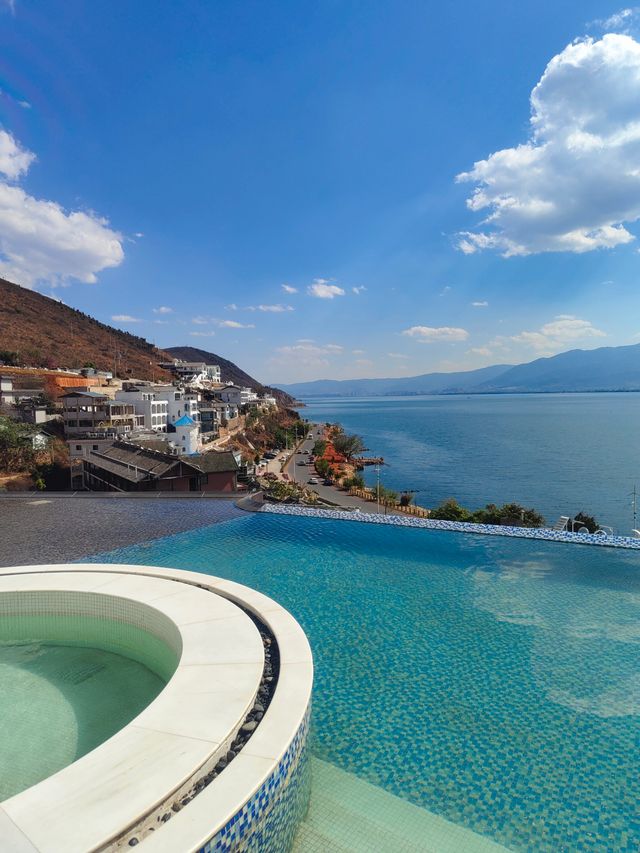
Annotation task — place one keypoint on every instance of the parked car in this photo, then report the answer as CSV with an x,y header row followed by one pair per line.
x,y
302,462
327,482
305,452
270,455
313,481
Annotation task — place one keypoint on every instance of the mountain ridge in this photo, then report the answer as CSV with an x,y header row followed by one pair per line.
x,y
573,371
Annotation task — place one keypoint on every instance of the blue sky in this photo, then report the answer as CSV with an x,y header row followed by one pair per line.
x,y
279,181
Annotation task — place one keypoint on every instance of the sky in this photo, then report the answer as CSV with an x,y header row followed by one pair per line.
x,y
336,189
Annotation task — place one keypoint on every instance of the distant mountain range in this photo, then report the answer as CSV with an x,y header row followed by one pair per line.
x,y
602,369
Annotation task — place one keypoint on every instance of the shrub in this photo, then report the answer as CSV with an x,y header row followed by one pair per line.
x,y
406,498
587,521
450,510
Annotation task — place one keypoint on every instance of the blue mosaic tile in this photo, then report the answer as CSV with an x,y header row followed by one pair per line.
x,y
543,533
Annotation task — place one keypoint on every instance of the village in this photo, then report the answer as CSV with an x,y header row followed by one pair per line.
x,y
128,435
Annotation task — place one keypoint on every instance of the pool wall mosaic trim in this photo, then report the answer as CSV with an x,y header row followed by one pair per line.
x,y
106,798
456,526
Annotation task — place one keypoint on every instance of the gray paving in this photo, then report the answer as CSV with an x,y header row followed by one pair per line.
x,y
56,530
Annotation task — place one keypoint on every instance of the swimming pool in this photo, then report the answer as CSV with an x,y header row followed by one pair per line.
x,y
493,682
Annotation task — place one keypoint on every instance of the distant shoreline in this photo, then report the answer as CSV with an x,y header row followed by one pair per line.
x,y
301,403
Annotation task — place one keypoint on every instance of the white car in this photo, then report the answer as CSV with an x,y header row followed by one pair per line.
x,y
313,481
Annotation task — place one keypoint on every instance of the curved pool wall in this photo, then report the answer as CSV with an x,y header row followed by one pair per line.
x,y
199,769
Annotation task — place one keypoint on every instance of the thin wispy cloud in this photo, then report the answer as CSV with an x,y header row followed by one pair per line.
x,y
209,334
289,289
573,185
358,290
233,324
482,304
125,318
272,309
231,306
163,309
429,334
620,22
399,355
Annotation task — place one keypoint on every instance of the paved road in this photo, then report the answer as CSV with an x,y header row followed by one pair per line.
x,y
303,473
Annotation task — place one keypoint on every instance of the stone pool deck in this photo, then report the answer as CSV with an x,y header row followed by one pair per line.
x,y
42,528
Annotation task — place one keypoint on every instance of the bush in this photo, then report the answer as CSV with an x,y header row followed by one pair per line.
x,y
587,521
319,447
323,467
406,498
450,510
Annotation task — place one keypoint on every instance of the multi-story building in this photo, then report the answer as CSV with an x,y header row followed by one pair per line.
x,y
238,396
193,371
89,412
161,405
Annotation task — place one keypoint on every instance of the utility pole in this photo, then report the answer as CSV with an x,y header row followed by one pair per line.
x,y
378,486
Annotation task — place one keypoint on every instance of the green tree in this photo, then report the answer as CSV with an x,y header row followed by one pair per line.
x,y
319,447
450,510
323,467
348,445
587,521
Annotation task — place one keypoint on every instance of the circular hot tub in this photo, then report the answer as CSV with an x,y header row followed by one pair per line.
x,y
150,706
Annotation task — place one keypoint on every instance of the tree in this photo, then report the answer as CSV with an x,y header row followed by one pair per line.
x,y
319,447
348,445
323,467
450,510
406,498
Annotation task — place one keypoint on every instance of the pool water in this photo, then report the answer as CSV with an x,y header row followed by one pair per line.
x,y
58,702
493,682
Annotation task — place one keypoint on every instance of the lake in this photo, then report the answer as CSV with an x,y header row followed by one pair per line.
x,y
558,453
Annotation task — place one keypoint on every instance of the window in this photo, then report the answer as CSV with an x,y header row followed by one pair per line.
x,y
79,447
94,447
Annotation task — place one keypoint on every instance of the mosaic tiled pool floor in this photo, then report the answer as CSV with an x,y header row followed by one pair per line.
x,y
348,815
493,682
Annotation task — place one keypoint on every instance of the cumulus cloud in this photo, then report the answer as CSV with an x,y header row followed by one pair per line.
x,y
321,289
40,242
14,159
428,334
288,289
163,309
125,318
233,324
576,181
563,331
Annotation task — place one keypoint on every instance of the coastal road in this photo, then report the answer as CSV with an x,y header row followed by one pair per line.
x,y
303,473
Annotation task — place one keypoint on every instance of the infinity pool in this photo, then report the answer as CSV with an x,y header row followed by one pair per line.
x,y
494,682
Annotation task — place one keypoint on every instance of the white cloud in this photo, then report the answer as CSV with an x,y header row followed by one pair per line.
x,y
138,234
161,322
563,331
163,309
233,324
307,353
39,241
485,351
358,351
274,309
577,180
125,318
201,321
288,289
231,307
358,290
397,355
480,304
14,159
202,334
427,334
619,22
445,290
364,362
321,289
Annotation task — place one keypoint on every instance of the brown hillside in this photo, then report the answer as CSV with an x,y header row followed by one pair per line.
x,y
46,333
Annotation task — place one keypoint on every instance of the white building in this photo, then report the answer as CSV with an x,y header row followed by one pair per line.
x,y
237,396
187,436
193,371
161,405
89,412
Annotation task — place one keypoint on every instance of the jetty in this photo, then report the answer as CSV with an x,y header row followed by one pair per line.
x,y
361,461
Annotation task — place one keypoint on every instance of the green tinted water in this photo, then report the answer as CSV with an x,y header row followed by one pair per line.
x,y
59,701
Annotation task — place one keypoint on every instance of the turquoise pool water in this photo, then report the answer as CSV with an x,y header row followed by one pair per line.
x,y
58,702
494,682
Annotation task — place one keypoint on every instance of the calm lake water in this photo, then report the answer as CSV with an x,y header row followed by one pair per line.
x,y
559,453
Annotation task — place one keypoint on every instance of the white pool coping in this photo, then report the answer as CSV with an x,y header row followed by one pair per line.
x,y
188,727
